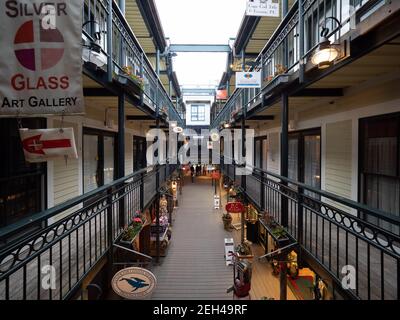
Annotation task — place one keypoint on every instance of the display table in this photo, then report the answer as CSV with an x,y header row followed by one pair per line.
x,y
164,243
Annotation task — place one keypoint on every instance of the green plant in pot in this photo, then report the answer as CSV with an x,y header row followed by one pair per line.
x,y
280,233
130,232
244,249
227,220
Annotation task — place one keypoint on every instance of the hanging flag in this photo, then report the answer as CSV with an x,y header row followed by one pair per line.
x,y
41,57
264,8
41,145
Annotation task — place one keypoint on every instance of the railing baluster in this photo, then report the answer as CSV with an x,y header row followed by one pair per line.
x,y
61,268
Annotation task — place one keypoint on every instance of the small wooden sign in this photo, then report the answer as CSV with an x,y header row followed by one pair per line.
x,y
234,207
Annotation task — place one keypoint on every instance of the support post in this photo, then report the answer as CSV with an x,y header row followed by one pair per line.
x,y
285,8
158,63
283,279
110,62
284,155
301,42
121,154
158,172
284,173
121,135
121,4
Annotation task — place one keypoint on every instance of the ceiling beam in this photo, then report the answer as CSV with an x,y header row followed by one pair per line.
x,y
141,118
200,48
320,92
259,118
97,92
198,91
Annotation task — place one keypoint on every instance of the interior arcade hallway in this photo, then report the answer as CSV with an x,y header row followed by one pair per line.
x,y
194,267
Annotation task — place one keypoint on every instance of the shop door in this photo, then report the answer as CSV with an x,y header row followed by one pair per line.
x,y
98,159
305,158
139,153
22,184
260,153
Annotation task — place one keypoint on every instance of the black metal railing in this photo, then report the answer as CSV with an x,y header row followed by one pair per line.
x,y
123,50
76,236
294,40
333,230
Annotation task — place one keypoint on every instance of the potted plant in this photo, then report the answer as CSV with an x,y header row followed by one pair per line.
x,y
131,231
227,220
243,251
128,71
280,234
280,69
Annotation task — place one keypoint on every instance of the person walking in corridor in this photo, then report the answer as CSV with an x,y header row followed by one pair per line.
x,y
192,172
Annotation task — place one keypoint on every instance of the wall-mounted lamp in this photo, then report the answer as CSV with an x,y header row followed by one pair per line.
x,y
92,52
214,136
326,53
177,129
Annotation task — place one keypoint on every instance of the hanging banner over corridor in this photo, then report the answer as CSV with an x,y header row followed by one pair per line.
x,y
41,57
263,8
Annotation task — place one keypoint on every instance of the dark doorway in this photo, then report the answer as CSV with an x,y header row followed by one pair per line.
x,y
305,157
260,152
139,153
22,184
99,158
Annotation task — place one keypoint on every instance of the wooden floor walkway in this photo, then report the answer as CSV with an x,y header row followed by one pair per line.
x,y
195,267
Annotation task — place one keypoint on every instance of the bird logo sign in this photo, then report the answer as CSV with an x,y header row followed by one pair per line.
x,y
134,283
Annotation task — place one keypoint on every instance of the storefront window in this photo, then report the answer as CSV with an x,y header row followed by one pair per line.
x,y
380,165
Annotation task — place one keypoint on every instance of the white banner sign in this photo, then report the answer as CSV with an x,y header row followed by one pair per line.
x,y
248,79
264,8
45,144
41,57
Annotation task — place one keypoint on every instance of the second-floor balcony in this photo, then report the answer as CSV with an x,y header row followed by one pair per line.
x,y
113,53
286,59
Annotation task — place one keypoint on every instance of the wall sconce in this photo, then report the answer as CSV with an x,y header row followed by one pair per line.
x,y
326,53
92,52
177,129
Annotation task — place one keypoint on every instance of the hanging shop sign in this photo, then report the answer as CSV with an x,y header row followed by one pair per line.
x,y
248,79
134,283
263,8
216,202
234,207
41,57
216,175
222,94
46,144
